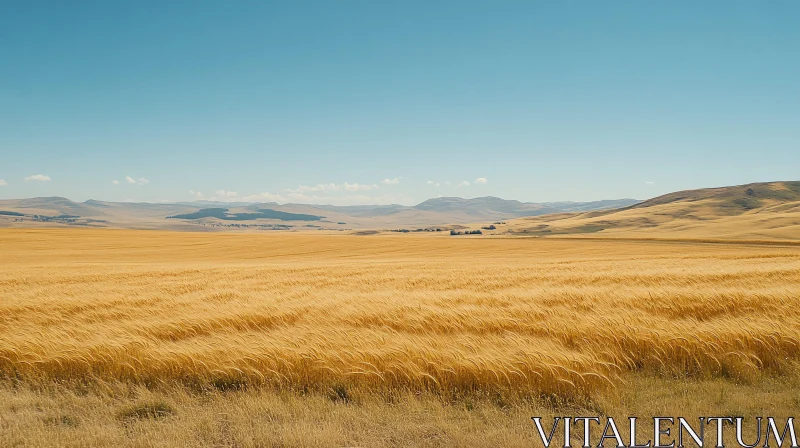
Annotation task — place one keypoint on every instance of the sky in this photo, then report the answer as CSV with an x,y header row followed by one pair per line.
x,y
365,102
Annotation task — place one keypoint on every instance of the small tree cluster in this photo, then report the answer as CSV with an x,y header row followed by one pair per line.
x,y
466,232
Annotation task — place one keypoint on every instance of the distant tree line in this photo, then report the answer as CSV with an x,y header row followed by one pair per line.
x,y
417,230
466,232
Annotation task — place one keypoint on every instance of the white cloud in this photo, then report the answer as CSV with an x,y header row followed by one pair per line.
x,y
264,197
463,183
481,180
115,182
358,187
3,183
649,183
331,187
196,194
139,181
38,178
318,187
335,194
435,184
355,199
302,197
225,194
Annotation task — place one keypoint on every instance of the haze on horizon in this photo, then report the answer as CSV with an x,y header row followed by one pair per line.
x,y
360,103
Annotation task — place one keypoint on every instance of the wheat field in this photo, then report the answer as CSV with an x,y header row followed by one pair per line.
x,y
523,320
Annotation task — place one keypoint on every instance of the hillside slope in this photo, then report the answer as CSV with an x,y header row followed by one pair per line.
x,y
768,211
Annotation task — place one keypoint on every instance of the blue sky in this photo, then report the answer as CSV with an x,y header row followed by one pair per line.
x,y
350,102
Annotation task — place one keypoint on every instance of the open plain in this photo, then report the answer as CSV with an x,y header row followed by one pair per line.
x,y
152,338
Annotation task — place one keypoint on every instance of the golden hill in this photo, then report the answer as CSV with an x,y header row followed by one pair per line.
x,y
759,211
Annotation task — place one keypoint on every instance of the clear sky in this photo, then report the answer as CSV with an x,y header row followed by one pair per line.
x,y
395,101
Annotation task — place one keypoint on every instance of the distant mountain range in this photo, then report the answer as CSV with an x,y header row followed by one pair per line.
x,y
206,215
758,211
492,204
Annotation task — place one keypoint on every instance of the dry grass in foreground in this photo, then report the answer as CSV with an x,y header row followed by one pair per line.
x,y
122,415
514,325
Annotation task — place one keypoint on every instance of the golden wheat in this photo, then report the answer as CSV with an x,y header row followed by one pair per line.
x,y
305,311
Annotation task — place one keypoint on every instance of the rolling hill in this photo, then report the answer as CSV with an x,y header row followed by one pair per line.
x,y
758,211
206,215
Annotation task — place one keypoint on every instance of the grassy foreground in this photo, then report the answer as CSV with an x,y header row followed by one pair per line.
x,y
170,339
128,415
